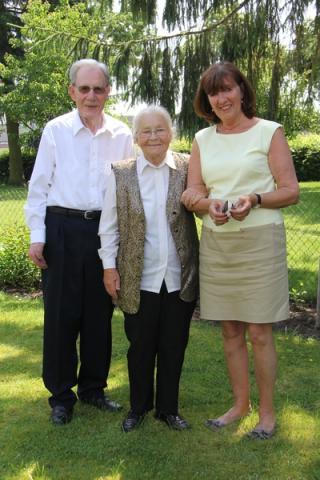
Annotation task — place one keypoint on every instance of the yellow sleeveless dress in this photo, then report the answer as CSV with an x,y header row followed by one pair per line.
x,y
243,268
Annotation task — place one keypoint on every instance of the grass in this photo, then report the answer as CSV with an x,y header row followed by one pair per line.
x,y
303,240
92,446
302,225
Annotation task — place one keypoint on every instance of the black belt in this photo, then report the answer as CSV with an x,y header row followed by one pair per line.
x,y
71,212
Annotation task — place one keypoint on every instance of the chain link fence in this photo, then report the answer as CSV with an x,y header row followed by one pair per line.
x,y
302,226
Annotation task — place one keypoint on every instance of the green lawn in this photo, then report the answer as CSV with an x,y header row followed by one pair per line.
x,y
92,446
302,223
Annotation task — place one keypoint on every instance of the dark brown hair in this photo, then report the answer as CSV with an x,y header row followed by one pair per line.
x,y
213,81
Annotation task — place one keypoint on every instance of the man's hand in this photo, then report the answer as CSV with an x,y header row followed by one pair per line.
x,y
111,280
36,254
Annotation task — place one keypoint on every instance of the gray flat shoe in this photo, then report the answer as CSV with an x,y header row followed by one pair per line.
x,y
215,424
261,434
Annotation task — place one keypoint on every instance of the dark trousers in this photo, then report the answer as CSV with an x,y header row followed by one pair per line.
x,y
75,303
159,333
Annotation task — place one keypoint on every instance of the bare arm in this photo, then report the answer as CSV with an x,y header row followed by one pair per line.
x,y
194,197
282,169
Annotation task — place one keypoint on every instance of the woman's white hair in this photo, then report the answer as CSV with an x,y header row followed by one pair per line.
x,y
87,62
150,109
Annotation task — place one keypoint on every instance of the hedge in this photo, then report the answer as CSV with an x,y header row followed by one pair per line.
x,y
16,269
28,159
305,149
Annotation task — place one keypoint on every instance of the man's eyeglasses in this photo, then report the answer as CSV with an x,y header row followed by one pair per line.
x,y
157,132
84,89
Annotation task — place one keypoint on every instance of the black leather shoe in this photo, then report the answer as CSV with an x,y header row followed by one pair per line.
x,y
132,420
61,415
176,422
103,403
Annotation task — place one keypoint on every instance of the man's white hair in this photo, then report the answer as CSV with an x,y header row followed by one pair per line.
x,y
87,62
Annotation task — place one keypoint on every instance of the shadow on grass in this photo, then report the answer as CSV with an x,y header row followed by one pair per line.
x,y
93,447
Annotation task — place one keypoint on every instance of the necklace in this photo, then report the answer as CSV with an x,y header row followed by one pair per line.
x,y
241,126
221,128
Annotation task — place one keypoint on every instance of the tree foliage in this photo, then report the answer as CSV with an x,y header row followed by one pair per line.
x,y
270,40
9,30
52,39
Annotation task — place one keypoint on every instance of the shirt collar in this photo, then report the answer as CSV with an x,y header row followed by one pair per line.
x,y
77,124
142,163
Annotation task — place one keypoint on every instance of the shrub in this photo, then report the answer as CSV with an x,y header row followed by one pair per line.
x,y
16,270
28,159
305,149
4,161
181,145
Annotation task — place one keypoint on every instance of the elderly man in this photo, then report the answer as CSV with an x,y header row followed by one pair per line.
x,y
63,209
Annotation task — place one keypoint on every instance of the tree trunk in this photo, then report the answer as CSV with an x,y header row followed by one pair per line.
x,y
15,158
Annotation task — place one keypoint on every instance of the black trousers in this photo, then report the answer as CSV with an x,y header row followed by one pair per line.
x,y
159,332
75,304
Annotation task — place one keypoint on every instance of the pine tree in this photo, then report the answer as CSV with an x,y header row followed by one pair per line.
x,y
260,36
271,41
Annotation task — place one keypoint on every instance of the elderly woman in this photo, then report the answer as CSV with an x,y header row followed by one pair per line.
x,y
244,164
149,249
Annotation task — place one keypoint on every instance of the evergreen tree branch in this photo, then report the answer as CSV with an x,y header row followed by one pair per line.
x,y
147,39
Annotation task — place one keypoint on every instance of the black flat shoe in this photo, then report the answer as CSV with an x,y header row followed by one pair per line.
x,y
103,403
61,415
176,422
132,420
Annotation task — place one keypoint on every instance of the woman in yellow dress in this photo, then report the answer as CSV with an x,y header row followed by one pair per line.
x,y
240,175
